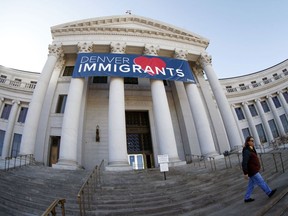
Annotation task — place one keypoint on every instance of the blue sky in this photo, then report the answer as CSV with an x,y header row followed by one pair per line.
x,y
245,36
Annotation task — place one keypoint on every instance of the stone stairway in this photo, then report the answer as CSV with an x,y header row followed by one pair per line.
x,y
189,190
31,189
192,189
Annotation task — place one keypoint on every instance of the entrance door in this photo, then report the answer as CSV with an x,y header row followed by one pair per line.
x,y
54,149
139,139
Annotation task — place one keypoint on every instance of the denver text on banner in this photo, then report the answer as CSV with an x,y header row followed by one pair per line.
x,y
128,65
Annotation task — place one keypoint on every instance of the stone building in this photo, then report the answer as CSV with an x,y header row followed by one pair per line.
x,y
69,122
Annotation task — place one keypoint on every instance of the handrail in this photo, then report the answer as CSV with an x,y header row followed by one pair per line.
x,y
20,158
88,189
52,208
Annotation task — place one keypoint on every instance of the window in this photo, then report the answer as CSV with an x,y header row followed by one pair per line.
x,y
239,113
16,144
284,122
285,72
276,102
255,84
246,132
265,80
285,94
261,133
61,104
243,87
22,114
68,71
265,106
276,76
253,110
3,78
2,135
130,80
100,79
6,111
273,128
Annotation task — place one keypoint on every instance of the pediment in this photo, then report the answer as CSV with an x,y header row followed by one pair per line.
x,y
127,25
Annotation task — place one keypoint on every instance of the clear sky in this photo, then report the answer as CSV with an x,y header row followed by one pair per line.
x,y
245,36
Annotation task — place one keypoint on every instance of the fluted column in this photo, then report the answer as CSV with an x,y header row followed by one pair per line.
x,y
264,121
1,102
251,124
118,157
71,120
201,122
35,106
163,121
9,130
283,102
222,102
276,116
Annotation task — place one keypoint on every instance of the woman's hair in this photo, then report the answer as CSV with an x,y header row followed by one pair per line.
x,y
247,139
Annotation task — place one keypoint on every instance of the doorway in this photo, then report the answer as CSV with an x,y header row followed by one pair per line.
x,y
139,142
54,149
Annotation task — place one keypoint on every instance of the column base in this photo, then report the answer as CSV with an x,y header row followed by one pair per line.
x,y
66,165
118,166
173,162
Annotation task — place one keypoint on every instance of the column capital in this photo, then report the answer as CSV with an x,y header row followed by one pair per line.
x,y
205,59
151,50
2,99
180,54
16,102
84,47
245,103
55,50
257,100
118,47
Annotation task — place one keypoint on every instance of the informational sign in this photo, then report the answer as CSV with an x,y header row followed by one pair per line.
x,y
129,65
163,160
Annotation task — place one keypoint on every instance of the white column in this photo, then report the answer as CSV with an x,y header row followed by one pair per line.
x,y
264,121
118,157
1,102
276,116
9,129
35,106
163,121
251,124
71,121
200,120
283,102
222,102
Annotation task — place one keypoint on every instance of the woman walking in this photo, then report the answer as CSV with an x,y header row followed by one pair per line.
x,y
251,168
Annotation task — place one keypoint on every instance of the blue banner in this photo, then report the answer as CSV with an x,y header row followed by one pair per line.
x,y
128,65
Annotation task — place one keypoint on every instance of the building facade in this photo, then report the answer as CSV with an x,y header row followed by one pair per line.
x,y
68,122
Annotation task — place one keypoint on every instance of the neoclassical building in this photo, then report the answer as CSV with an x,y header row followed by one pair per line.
x,y
68,121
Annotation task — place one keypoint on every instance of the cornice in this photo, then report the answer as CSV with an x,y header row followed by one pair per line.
x,y
128,25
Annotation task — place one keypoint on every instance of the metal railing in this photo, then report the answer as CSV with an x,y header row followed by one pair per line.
x,y
232,159
87,192
20,160
52,209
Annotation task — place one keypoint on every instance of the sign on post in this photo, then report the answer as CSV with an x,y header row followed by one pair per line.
x,y
163,160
